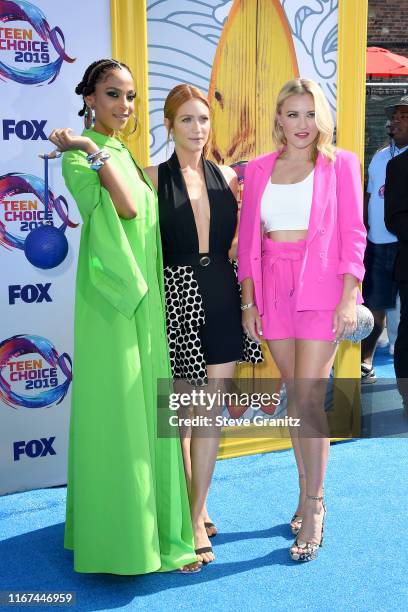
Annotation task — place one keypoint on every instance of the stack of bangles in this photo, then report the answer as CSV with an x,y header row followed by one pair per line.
x,y
96,160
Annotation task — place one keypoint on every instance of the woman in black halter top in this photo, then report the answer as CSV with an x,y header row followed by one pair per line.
x,y
204,320
198,221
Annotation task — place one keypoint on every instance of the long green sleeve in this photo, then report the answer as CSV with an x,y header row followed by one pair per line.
x,y
113,269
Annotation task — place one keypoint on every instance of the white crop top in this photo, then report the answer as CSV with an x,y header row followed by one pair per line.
x,y
287,207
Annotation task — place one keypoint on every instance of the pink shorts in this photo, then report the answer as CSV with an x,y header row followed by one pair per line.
x,y
281,264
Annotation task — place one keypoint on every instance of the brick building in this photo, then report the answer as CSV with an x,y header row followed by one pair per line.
x,y
388,25
387,28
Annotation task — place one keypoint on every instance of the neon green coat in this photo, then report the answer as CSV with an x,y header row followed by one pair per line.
x,y
127,503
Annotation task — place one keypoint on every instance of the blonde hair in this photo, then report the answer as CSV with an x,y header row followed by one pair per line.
x,y
323,116
175,98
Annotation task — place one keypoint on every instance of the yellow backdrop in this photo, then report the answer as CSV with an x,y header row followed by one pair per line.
x,y
255,38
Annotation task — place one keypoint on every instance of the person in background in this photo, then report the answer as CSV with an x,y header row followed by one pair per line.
x,y
127,503
392,317
396,221
379,286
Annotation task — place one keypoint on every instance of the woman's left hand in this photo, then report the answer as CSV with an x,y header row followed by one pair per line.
x,y
345,319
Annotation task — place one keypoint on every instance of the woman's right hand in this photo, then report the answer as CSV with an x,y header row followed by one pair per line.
x,y
65,139
251,322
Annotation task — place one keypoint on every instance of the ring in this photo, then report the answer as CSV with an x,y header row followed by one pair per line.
x,y
53,155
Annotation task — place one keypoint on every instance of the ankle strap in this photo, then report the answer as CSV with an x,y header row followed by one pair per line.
x,y
315,497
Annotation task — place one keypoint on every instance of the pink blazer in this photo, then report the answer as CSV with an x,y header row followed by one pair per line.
x,y
336,236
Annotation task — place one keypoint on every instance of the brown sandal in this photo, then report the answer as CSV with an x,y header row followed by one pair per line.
x,y
204,549
208,525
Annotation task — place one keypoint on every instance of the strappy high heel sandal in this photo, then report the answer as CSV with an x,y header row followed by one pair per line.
x,y
296,520
210,526
296,523
309,550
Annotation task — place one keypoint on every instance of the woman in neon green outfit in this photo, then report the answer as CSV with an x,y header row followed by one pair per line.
x,y
127,503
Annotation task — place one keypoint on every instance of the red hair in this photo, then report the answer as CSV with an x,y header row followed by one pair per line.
x,y
175,98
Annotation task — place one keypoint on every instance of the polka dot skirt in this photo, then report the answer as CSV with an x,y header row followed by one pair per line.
x,y
184,316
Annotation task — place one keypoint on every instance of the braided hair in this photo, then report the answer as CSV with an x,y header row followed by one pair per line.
x,y
92,75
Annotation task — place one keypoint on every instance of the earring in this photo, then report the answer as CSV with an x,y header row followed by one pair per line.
x,y
89,118
169,142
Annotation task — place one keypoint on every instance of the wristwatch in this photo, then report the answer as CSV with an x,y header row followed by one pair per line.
x,y
246,306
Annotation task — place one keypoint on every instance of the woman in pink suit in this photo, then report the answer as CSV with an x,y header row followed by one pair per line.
x,y
300,261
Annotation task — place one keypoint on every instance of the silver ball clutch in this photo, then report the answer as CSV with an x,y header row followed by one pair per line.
x,y
365,324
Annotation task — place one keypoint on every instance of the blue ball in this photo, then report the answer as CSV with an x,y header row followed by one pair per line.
x,y
46,247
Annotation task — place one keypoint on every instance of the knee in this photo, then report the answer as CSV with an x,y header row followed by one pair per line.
x,y
310,396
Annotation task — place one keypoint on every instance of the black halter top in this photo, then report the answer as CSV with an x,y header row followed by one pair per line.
x,y
177,223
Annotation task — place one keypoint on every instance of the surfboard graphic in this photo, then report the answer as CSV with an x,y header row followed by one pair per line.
x,y
255,56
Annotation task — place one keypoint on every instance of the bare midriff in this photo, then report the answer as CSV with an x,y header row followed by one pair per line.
x,y
287,235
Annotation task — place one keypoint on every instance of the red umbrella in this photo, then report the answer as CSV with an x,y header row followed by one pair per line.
x,y
383,63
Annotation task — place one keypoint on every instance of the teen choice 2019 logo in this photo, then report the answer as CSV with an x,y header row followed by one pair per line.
x,y
30,51
22,199
32,373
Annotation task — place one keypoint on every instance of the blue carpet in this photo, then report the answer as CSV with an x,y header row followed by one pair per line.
x,y
384,363
382,407
360,567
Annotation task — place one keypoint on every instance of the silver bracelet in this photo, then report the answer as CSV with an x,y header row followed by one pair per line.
x,y
246,306
96,165
98,159
92,156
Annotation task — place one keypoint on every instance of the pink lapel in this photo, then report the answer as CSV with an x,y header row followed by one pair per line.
x,y
324,174
261,174
322,190
265,166
267,162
